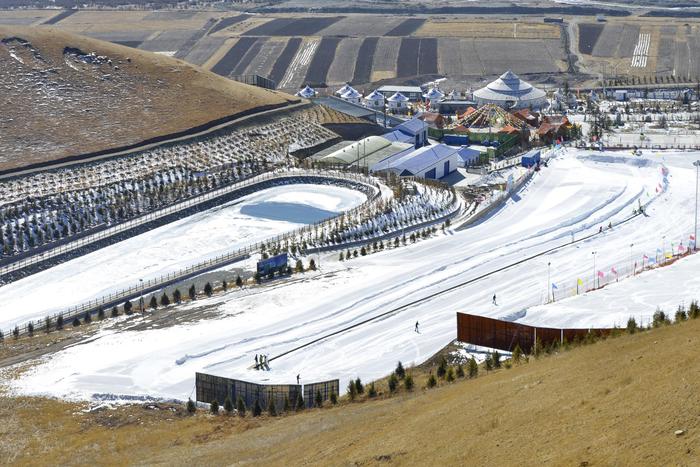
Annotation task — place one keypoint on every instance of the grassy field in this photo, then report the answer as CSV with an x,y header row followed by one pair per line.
x,y
94,106
616,402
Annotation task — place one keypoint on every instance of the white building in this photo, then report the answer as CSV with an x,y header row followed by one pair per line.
x,y
398,103
510,92
435,96
307,93
352,96
374,100
346,87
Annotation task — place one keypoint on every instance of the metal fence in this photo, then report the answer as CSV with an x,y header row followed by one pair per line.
x,y
505,335
209,388
174,209
326,388
156,283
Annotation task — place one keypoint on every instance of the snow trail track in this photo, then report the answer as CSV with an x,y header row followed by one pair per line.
x,y
578,193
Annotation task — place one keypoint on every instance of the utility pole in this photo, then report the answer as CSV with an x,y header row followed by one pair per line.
x,y
697,174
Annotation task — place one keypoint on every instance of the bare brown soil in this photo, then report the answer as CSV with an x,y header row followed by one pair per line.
x,y
55,105
616,402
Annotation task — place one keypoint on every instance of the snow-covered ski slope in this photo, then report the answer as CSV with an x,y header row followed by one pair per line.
x,y
577,193
172,247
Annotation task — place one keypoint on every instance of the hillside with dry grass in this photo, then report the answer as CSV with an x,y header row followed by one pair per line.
x,y
628,400
63,95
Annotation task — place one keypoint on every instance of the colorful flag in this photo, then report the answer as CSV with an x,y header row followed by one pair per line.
x,y
645,257
580,282
601,274
669,255
613,270
652,261
692,237
554,286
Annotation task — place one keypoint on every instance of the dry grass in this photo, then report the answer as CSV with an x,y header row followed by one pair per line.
x,y
380,75
617,402
480,29
102,106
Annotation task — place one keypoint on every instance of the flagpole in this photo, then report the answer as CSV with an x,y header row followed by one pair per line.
x,y
549,281
594,253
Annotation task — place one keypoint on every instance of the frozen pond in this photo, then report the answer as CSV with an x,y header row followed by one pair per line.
x,y
171,247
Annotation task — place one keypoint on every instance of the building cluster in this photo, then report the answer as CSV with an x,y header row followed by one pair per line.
x,y
505,115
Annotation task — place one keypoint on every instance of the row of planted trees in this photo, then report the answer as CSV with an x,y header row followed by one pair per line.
x,y
153,303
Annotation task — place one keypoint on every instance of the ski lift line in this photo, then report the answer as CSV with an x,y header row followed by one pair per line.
x,y
447,290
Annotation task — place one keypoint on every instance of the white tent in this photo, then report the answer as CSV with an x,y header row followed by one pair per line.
x,y
374,100
510,92
307,93
351,95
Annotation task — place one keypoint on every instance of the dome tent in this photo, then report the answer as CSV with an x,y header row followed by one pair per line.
x,y
510,92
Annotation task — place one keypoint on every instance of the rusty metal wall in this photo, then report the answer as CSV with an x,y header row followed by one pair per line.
x,y
504,335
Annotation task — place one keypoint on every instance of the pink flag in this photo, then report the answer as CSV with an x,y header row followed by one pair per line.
x,y
681,248
645,257
601,274
692,237
613,270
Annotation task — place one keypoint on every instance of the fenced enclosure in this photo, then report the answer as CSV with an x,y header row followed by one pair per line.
x,y
326,388
217,388
363,183
505,335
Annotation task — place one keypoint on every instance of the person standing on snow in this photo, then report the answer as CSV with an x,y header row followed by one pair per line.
x,y
298,379
494,300
417,327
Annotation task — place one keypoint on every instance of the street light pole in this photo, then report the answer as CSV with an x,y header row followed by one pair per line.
x,y
549,281
141,297
697,174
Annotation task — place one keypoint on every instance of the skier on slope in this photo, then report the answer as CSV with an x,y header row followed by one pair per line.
x,y
417,327
494,300
298,379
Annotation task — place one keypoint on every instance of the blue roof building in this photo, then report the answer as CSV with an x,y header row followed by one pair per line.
x,y
468,156
413,131
431,162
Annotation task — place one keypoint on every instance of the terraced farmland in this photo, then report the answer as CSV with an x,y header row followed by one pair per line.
x,y
296,49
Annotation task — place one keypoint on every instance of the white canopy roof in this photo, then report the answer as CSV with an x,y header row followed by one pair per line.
x,y
343,90
434,94
398,97
351,94
509,87
374,96
307,92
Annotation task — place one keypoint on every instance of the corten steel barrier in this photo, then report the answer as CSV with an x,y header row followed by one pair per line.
x,y
504,335
217,388
326,388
